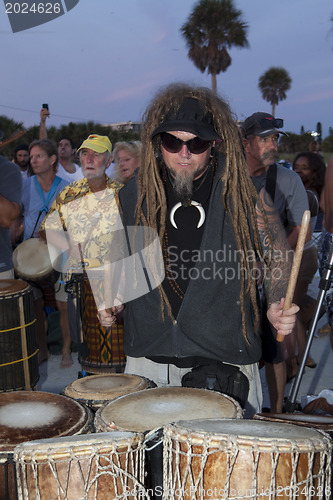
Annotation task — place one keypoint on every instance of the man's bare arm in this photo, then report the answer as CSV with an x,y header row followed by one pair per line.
x,y
42,128
281,256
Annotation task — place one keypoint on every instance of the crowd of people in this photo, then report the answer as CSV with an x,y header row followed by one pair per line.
x,y
227,217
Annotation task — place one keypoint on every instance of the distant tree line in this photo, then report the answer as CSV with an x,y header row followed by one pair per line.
x,y
77,132
301,142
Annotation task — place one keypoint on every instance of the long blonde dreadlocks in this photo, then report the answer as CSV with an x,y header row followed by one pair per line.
x,y
239,194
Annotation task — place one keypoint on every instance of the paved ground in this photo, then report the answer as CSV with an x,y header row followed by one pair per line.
x,y
55,379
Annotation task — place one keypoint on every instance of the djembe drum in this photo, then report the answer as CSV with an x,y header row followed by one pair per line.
x,y
149,411
26,416
101,349
32,263
18,341
97,390
206,459
321,422
96,466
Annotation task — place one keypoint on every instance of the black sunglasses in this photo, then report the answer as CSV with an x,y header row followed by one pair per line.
x,y
275,122
195,146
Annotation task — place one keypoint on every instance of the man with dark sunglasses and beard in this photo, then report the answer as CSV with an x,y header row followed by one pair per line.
x,y
261,132
194,190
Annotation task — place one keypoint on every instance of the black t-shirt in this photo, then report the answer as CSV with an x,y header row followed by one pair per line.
x,y
181,246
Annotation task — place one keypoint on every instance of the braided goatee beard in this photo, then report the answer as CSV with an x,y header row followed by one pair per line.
x,y
183,183
183,186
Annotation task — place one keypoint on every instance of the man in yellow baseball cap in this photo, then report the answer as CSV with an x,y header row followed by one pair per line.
x,y
95,157
83,214
98,143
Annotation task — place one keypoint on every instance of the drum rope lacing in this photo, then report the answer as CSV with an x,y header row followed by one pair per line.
x,y
179,475
122,462
20,360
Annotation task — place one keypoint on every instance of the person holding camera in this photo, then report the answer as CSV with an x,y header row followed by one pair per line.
x,y
67,169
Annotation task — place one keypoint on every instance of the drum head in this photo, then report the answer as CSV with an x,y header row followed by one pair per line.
x,y
26,416
251,433
31,259
102,388
12,287
147,410
323,422
79,445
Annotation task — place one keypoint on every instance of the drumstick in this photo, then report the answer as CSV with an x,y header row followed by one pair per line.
x,y
12,138
24,346
107,285
296,264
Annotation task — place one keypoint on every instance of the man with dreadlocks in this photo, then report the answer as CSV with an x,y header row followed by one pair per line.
x,y
193,188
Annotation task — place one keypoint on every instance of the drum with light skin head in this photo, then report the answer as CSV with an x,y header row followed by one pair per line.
x,y
148,411
205,459
96,466
32,263
97,390
320,422
26,416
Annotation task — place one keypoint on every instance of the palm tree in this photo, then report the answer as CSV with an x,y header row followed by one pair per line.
x,y
274,85
212,28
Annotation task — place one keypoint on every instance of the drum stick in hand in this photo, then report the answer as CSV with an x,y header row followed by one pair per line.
x,y
296,263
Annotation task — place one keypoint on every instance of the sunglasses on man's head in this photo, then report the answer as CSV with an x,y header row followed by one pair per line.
x,y
269,123
195,146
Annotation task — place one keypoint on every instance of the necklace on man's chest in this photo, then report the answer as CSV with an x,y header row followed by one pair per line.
x,y
201,189
192,203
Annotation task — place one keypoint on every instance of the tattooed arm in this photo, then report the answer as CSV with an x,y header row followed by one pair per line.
x,y
278,269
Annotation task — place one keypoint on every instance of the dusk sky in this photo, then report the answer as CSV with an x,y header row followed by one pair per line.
x,y
104,60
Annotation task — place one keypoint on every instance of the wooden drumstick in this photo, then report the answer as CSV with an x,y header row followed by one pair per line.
x,y
107,285
24,346
296,263
12,138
